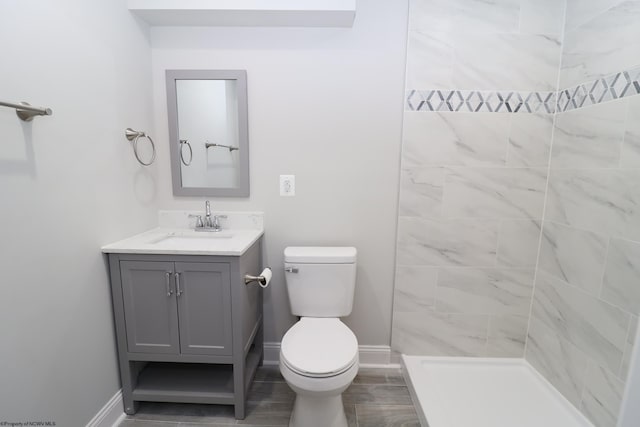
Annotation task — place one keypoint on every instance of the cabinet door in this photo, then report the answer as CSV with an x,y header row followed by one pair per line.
x,y
204,308
150,309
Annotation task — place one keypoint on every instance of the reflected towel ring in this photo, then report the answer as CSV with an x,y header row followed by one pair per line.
x,y
184,142
134,135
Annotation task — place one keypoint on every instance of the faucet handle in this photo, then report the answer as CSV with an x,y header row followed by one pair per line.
x,y
199,223
216,222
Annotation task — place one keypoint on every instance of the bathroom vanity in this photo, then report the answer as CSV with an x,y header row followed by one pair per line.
x,y
188,327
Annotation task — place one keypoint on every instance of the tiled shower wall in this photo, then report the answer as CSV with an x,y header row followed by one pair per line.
x,y
474,172
587,291
490,148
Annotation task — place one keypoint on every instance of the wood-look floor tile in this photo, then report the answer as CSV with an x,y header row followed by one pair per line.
x,y
379,376
379,394
271,392
129,422
269,373
387,416
267,414
184,412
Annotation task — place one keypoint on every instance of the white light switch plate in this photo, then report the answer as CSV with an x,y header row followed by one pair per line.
x,y
287,185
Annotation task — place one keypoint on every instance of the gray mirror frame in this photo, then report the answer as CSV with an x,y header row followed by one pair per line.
x,y
243,131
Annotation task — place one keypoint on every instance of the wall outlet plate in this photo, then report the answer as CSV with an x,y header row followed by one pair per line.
x,y
287,185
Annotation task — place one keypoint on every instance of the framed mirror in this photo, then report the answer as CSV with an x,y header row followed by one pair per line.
x,y
208,131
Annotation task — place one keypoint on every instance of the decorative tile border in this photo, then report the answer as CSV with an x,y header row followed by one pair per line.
x,y
478,101
614,86
609,88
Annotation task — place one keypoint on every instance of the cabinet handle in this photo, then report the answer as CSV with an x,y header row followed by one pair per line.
x,y
168,276
178,290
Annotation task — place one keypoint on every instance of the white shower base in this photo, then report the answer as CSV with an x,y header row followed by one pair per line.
x,y
465,392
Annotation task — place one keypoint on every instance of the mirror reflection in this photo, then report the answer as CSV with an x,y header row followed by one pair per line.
x,y
208,132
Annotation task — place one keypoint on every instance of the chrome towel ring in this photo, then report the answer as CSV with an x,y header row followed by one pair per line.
x,y
184,142
134,135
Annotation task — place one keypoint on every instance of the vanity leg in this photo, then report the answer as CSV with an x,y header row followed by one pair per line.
x,y
239,372
128,376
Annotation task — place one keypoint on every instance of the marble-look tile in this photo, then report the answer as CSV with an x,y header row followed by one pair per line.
x,y
421,192
429,61
580,12
594,326
447,242
415,288
602,396
608,43
604,201
628,351
387,416
514,62
442,139
439,334
507,335
518,243
630,156
621,284
542,16
484,291
503,193
475,16
560,362
530,140
575,256
378,394
589,137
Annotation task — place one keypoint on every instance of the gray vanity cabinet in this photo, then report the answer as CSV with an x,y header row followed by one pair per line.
x,y
181,307
188,329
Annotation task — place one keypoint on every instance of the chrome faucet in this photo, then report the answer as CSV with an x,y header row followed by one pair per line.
x,y
210,223
207,217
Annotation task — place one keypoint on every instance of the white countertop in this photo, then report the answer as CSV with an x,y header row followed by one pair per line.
x,y
176,236
177,241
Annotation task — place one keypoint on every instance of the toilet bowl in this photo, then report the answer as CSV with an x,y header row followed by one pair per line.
x,y
319,360
319,354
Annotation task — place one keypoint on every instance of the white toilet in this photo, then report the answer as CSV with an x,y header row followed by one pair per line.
x,y
319,354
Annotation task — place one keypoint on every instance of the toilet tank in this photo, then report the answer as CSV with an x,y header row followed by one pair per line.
x,y
320,280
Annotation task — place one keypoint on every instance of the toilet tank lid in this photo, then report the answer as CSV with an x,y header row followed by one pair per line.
x,y
320,255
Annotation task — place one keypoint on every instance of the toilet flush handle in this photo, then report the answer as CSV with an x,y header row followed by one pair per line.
x,y
291,269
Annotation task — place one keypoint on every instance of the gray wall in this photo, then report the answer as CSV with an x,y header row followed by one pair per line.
x,y
587,297
325,104
473,173
68,183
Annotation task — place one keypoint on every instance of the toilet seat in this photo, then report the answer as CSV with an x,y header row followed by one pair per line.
x,y
319,347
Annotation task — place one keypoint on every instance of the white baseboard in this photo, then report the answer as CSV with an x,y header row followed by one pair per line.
x,y
111,414
371,356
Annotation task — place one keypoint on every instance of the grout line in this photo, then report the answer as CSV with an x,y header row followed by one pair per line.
x,y
546,191
626,349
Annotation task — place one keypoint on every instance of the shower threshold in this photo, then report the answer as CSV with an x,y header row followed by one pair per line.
x,y
464,392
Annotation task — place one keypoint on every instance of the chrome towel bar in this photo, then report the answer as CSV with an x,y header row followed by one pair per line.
x,y
213,144
26,112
